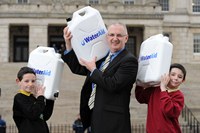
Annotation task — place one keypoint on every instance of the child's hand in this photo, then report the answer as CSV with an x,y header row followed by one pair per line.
x,y
39,90
164,81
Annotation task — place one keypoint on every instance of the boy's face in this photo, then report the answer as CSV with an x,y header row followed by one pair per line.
x,y
27,83
176,77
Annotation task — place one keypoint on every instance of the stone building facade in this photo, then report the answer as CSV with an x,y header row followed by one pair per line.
x,y
25,24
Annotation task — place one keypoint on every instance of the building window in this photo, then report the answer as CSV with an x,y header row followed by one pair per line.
x,y
131,44
196,42
196,5
93,1
164,4
128,2
22,1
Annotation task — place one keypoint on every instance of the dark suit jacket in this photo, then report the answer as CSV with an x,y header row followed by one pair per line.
x,y
111,109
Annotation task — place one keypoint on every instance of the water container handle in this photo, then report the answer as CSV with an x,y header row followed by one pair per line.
x,y
82,12
166,38
156,36
44,50
160,36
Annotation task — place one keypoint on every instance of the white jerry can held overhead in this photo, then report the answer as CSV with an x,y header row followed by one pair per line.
x,y
154,59
89,34
48,67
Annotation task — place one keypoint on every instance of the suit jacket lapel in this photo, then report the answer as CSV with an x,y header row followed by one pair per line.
x,y
117,59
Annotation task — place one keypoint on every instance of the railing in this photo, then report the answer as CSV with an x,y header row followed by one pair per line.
x,y
62,128
138,128
192,124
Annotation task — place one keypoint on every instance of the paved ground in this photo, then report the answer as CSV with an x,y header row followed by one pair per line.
x,y
67,105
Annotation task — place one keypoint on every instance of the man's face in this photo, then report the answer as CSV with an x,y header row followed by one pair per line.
x,y
116,37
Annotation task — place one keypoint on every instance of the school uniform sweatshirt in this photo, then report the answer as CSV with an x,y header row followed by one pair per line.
x,y
30,114
164,109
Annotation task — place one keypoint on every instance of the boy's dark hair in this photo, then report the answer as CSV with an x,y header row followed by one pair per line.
x,y
24,70
179,66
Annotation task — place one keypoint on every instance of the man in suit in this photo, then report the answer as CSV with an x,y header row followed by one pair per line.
x,y
110,112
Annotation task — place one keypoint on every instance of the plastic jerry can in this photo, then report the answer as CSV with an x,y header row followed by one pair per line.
x,y
89,34
48,67
154,59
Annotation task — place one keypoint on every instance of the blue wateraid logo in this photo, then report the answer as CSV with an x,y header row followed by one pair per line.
x,y
92,37
148,57
42,72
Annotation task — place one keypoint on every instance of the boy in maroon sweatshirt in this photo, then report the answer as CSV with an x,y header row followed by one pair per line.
x,y
165,102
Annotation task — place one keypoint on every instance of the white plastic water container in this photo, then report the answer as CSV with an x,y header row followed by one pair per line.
x,y
89,34
154,59
48,67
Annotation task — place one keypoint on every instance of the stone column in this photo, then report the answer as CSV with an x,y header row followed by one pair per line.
x,y
4,43
38,36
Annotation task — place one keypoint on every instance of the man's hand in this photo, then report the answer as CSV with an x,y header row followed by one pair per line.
x,y
90,65
67,36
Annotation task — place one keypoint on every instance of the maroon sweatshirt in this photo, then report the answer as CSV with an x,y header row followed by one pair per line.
x,y
164,109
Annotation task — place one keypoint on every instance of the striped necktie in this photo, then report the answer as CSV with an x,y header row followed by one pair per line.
x,y
103,67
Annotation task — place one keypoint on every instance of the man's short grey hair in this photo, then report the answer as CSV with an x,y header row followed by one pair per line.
x,y
119,23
